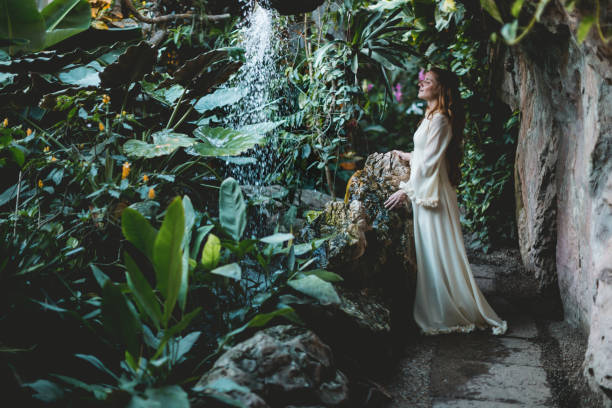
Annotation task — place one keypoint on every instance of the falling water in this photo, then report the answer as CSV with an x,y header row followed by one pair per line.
x,y
257,78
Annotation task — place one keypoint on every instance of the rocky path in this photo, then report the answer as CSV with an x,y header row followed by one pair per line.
x,y
535,364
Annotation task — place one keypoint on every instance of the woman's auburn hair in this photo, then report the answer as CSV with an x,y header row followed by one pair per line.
x,y
449,104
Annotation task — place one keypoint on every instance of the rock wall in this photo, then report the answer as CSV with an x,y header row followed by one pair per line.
x,y
563,170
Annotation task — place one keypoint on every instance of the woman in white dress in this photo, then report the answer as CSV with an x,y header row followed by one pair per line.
x,y
447,297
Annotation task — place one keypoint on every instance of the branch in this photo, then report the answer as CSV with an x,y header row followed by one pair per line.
x,y
169,17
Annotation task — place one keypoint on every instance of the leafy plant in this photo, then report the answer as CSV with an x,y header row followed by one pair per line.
x,y
24,27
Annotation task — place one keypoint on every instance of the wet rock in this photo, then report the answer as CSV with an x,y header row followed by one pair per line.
x,y
598,361
278,367
370,245
360,315
563,156
563,171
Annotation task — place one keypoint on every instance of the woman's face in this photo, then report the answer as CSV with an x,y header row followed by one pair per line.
x,y
428,87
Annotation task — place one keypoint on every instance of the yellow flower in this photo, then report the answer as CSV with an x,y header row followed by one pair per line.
x,y
145,178
144,3
151,193
5,122
125,170
123,113
81,145
29,132
101,126
46,149
53,158
40,184
105,99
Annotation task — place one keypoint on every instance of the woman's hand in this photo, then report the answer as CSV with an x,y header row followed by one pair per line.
x,y
402,155
395,199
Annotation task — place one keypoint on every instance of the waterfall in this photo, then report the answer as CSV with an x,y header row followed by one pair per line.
x,y
257,78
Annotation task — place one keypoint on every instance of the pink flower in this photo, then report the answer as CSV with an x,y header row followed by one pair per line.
x,y
397,92
370,86
421,74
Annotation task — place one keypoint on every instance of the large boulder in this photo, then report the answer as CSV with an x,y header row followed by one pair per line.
x,y
280,366
372,248
598,362
370,245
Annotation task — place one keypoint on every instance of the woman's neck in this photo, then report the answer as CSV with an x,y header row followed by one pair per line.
x,y
432,106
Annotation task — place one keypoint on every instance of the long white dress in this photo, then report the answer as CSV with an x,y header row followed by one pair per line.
x,y
447,297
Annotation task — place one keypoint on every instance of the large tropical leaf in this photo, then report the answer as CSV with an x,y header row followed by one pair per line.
x,y
225,142
232,208
194,67
65,18
164,143
219,74
167,256
138,231
142,290
20,20
219,98
131,66
316,287
119,317
84,75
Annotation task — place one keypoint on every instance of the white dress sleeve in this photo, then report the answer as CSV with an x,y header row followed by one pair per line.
x,y
428,164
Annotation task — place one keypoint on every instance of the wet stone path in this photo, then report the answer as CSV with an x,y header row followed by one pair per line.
x,y
479,370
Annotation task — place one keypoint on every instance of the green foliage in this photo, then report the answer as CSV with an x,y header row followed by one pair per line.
x,y
25,28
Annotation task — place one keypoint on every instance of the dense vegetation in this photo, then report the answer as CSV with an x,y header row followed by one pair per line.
x,y
129,258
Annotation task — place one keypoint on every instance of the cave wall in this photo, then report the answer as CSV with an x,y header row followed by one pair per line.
x,y
563,173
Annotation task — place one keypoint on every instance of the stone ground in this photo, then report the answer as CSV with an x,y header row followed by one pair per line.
x,y
537,363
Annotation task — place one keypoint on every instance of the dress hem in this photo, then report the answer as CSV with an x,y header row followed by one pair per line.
x,y
497,329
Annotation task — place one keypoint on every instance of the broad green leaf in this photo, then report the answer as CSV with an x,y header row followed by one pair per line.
x,y
211,253
219,141
169,396
65,18
317,288
46,391
167,256
583,29
86,75
490,7
167,96
277,238
221,97
325,275
232,271
138,231
232,208
119,318
142,291
131,66
21,23
164,143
